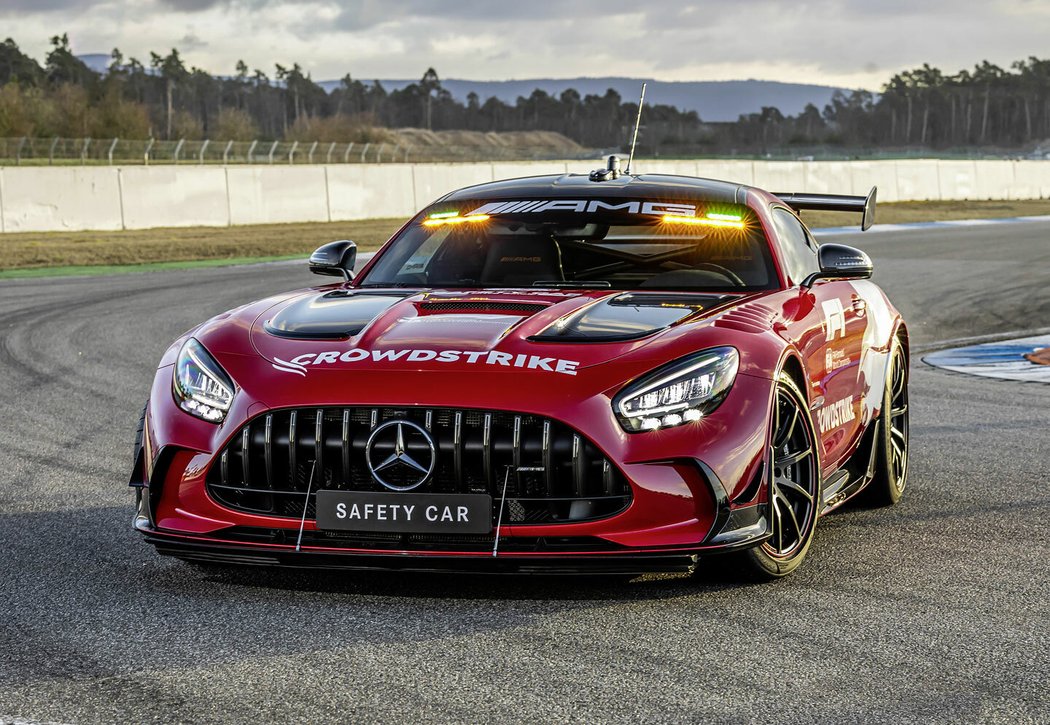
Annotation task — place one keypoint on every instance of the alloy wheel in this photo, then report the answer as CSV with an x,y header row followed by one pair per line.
x,y
898,420
793,492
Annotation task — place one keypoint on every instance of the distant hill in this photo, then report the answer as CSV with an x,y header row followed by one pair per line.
x,y
713,100
98,62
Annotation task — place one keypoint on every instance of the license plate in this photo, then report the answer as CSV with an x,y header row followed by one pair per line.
x,y
404,513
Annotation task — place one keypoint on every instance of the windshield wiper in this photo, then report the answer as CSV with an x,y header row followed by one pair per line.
x,y
572,283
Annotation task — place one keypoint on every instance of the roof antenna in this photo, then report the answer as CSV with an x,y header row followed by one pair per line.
x,y
637,123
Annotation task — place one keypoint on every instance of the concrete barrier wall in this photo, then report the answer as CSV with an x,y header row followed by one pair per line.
x,y
61,199
138,197
742,172
174,196
994,180
277,194
919,180
882,174
517,170
363,191
1031,181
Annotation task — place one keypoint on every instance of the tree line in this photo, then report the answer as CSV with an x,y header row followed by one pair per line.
x,y
989,107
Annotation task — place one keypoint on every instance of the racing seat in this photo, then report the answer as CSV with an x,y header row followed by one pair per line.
x,y
520,261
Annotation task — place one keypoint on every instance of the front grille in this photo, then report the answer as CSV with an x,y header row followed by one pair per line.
x,y
552,473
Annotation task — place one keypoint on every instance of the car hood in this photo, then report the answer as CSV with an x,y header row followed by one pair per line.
x,y
399,327
561,342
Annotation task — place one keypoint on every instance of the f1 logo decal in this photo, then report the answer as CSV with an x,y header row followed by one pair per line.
x,y
834,319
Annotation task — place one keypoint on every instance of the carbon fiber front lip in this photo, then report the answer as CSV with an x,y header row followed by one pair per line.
x,y
204,551
634,561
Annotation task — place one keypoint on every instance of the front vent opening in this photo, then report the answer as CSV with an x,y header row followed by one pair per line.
x,y
493,306
556,475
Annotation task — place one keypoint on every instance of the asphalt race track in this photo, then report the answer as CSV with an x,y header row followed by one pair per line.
x,y
937,610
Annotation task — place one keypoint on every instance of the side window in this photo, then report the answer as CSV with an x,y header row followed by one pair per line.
x,y
797,248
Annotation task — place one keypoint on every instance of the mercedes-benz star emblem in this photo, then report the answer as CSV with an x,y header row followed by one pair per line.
x,y
401,455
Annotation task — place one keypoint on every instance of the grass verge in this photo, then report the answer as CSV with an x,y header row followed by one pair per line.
x,y
84,270
87,252
39,254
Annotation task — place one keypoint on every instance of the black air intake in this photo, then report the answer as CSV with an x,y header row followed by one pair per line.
x,y
553,474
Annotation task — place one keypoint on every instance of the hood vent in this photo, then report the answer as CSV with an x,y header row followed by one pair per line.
x,y
335,315
627,316
753,317
438,306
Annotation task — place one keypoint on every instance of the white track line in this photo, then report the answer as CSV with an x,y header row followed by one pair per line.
x,y
1003,359
978,339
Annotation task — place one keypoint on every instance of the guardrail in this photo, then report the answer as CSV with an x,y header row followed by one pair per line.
x,y
111,151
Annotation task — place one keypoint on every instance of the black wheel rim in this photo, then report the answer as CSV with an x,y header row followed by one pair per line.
x,y
793,492
898,421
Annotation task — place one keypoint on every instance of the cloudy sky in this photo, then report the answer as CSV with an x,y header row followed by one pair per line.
x,y
855,43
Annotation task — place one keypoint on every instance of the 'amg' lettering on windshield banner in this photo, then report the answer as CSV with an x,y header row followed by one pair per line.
x,y
585,206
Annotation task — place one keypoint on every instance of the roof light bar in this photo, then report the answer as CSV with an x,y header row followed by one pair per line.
x,y
452,217
724,221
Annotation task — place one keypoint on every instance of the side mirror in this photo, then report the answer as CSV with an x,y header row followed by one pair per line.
x,y
335,259
837,261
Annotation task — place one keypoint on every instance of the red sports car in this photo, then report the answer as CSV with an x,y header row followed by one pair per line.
x,y
581,373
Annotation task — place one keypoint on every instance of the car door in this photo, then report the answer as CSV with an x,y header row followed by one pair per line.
x,y
829,324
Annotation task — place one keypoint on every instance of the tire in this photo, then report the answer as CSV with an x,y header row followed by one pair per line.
x,y
891,457
794,493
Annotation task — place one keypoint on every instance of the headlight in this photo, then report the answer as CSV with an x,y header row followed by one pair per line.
x,y
681,392
202,388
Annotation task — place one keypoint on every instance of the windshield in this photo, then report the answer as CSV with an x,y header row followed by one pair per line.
x,y
585,243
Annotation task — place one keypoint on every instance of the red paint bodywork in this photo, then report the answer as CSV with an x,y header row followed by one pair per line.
x,y
672,507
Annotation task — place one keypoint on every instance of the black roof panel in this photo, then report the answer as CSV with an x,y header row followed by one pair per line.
x,y
655,186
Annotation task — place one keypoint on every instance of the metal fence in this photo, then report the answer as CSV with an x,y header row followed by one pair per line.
x,y
85,151
65,151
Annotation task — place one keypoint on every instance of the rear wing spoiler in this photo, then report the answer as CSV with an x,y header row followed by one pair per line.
x,y
864,205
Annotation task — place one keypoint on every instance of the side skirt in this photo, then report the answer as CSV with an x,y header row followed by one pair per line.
x,y
849,480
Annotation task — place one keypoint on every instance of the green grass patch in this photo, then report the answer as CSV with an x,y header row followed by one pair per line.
x,y
50,250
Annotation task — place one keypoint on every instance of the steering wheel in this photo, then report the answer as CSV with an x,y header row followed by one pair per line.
x,y
724,271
